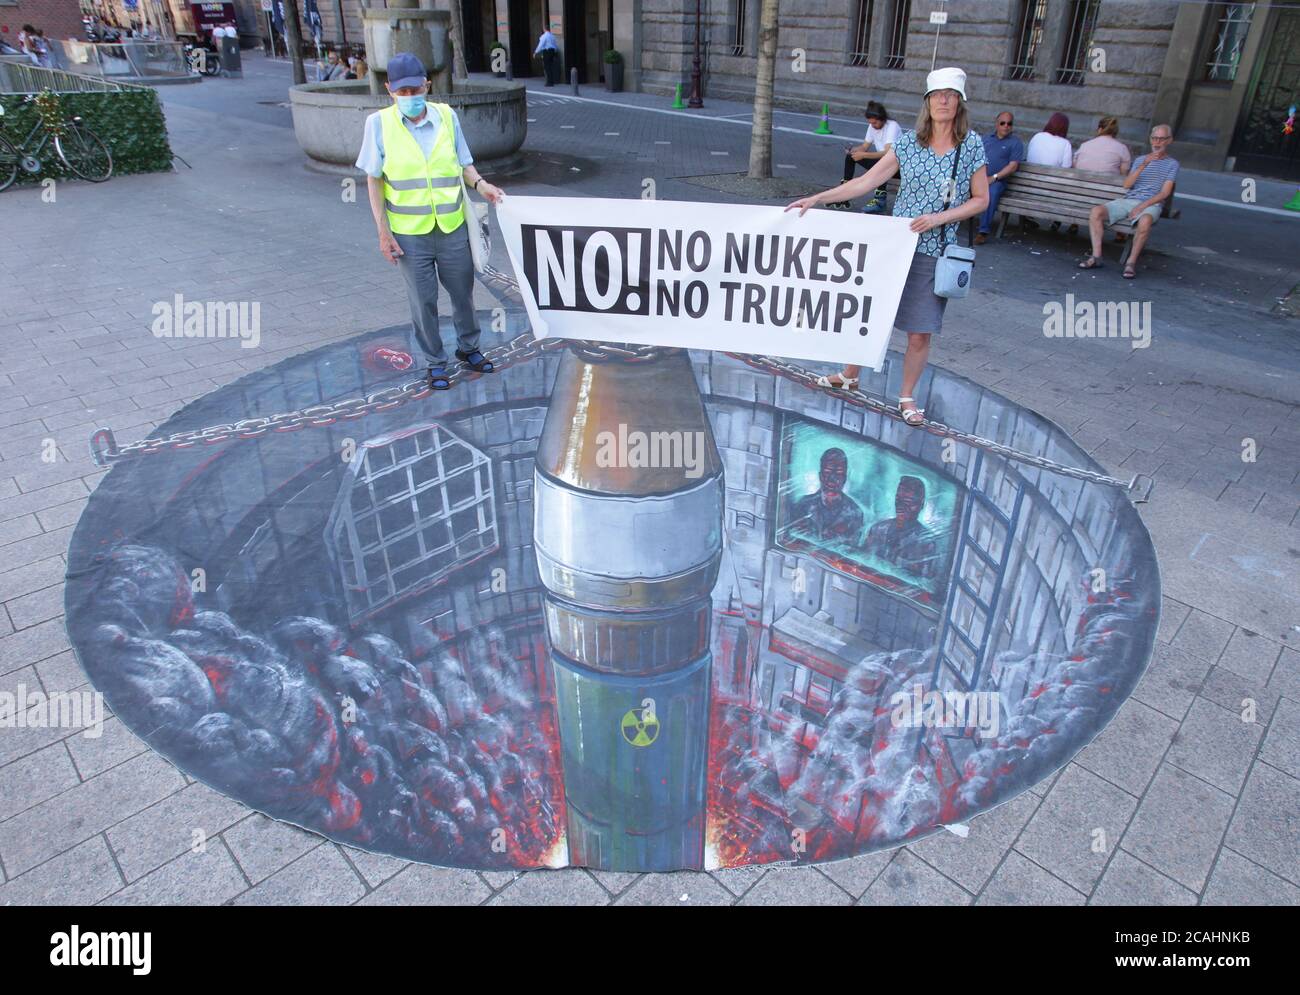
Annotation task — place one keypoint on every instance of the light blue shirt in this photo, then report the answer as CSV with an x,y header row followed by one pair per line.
x,y
546,41
425,132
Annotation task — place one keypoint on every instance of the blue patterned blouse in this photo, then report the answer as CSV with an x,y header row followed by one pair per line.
x,y
923,181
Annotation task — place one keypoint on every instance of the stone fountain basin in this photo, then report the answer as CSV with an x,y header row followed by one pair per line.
x,y
329,118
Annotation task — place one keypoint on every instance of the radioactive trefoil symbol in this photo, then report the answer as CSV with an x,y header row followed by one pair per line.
x,y
640,728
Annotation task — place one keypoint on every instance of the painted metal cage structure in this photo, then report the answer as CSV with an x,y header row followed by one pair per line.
x,y
415,506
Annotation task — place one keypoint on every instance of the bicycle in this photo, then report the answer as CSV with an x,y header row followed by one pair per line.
x,y
201,59
77,147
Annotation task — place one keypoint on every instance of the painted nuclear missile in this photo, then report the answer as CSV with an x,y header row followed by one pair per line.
x,y
628,538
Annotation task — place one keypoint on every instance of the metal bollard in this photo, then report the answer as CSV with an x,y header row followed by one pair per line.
x,y
573,80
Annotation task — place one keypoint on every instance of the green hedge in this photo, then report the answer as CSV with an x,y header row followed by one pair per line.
x,y
130,121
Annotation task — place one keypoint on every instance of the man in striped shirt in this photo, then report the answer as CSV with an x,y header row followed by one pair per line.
x,y
1150,184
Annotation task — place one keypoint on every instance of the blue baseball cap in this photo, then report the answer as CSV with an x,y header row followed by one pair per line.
x,y
405,69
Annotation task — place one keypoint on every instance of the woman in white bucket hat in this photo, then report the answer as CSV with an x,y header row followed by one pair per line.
x,y
924,159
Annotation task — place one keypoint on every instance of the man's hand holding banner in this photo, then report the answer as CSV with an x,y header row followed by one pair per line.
x,y
733,278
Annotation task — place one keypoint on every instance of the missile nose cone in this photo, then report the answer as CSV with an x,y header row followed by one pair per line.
x,y
627,428
628,486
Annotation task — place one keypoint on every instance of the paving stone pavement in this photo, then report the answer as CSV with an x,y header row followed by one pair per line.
x,y
1192,794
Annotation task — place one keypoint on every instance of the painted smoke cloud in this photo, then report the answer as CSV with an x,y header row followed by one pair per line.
x,y
340,733
438,761
869,781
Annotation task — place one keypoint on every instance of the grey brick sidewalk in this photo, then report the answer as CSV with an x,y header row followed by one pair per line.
x,y
1193,804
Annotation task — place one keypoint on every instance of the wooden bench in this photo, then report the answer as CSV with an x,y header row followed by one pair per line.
x,y
1067,195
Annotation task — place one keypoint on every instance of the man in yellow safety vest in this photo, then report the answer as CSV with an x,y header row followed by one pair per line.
x,y
415,156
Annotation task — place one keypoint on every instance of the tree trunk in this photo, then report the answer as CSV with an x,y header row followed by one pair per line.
x,y
294,40
760,137
458,68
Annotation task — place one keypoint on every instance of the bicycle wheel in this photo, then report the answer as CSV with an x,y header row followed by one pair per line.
x,y
84,153
8,163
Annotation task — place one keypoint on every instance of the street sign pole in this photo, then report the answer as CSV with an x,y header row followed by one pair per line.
x,y
270,24
938,18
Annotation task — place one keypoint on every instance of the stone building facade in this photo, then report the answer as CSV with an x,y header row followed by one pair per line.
x,y
1223,74
1219,73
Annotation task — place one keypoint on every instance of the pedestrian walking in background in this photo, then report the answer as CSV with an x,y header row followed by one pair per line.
x,y
1005,152
941,159
416,160
549,49
42,48
27,43
882,132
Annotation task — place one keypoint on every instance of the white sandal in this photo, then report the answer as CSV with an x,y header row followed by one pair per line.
x,y
846,383
915,417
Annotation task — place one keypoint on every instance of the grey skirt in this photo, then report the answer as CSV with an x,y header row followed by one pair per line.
x,y
920,309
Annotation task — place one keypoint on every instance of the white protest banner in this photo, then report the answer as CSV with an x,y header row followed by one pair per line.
x,y
728,277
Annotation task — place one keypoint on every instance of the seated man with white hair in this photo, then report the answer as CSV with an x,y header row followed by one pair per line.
x,y
1150,184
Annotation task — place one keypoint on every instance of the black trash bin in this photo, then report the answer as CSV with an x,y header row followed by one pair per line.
x,y
230,62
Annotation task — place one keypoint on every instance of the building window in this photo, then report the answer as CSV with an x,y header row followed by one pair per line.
x,y
896,51
738,29
861,34
1030,35
415,506
1229,25
1081,25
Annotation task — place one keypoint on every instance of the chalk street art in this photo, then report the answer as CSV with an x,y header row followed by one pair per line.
x,y
522,623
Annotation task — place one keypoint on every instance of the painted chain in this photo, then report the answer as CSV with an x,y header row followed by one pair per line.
x,y
523,348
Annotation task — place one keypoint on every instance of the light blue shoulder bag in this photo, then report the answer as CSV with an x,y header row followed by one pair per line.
x,y
953,268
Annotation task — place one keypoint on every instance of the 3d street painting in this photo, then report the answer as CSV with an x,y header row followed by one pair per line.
x,y
629,609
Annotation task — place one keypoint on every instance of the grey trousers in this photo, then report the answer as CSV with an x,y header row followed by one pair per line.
x,y
425,260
